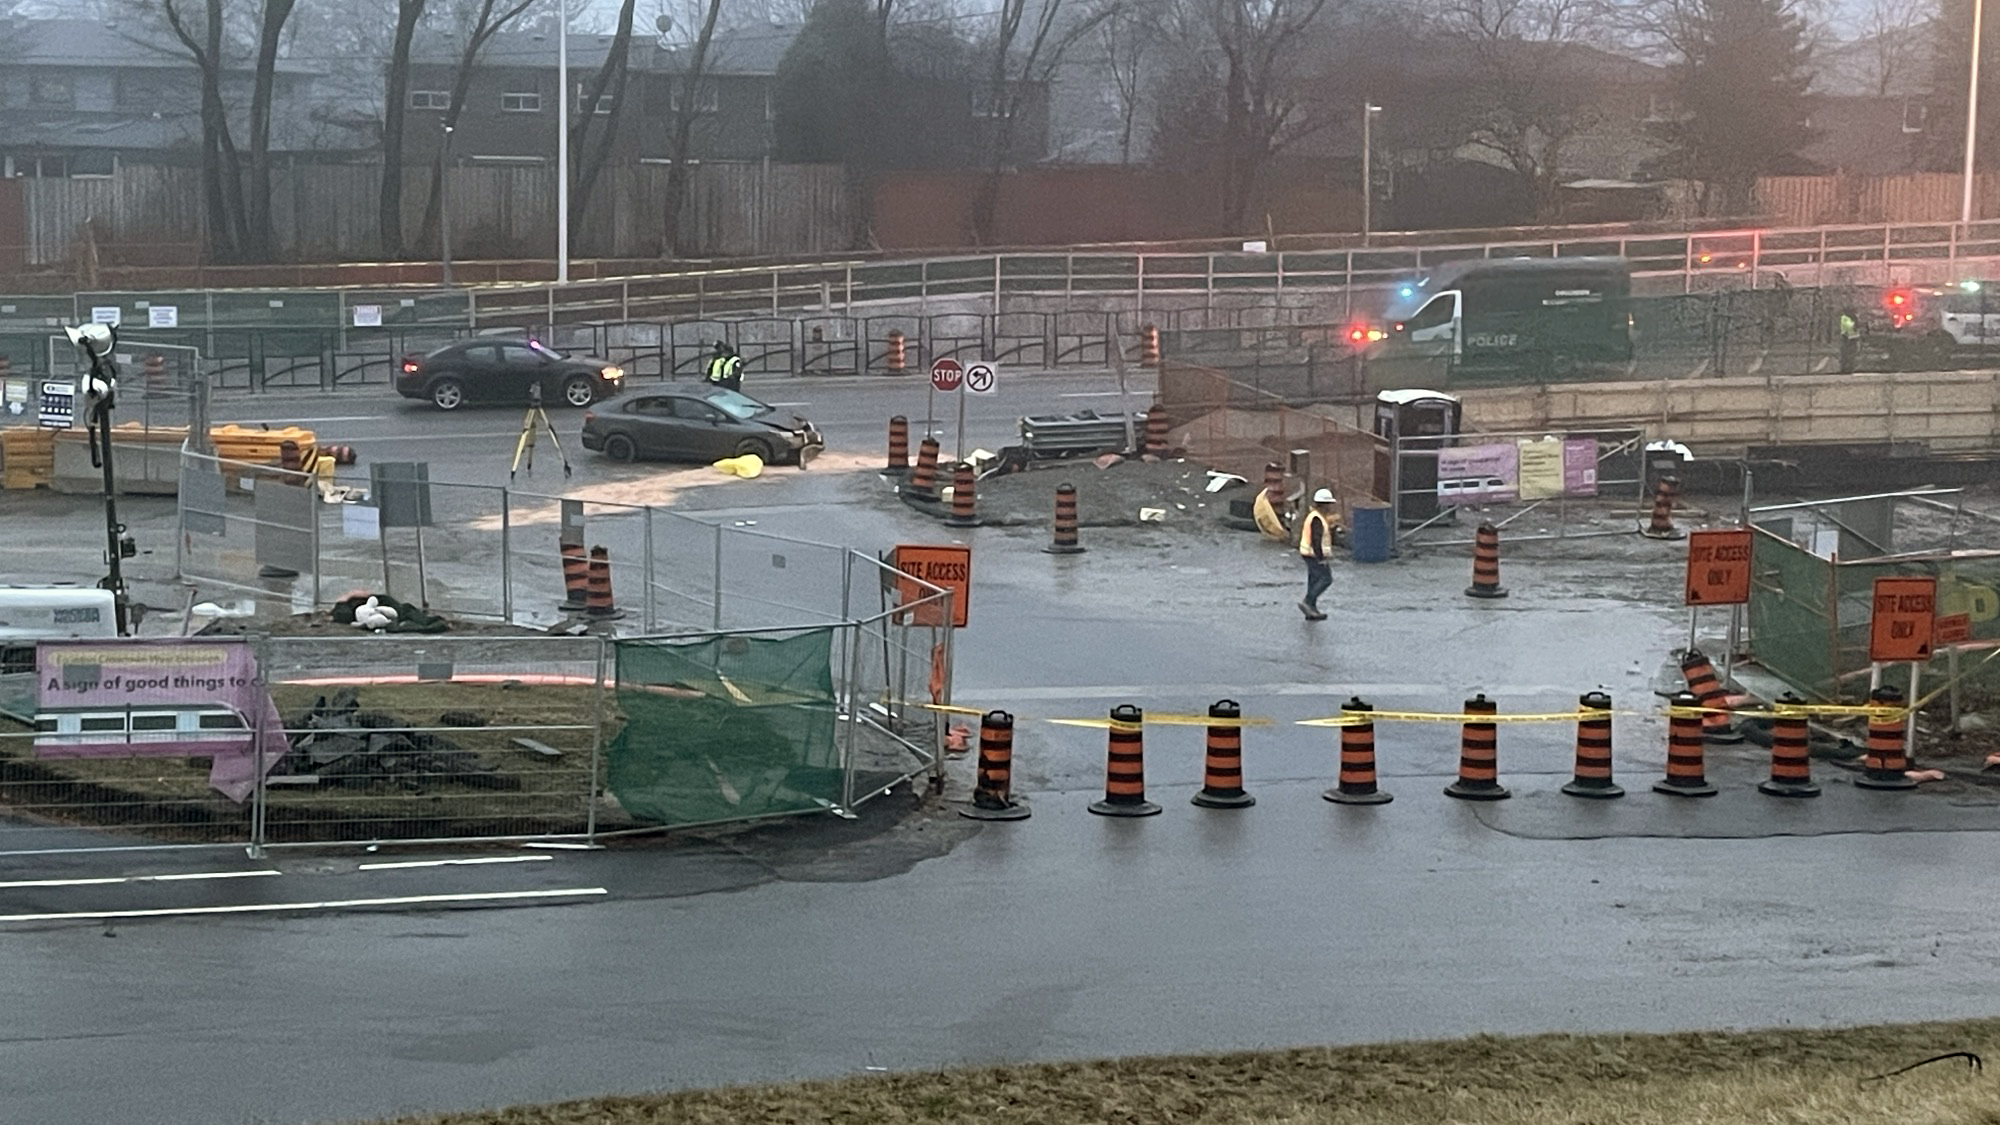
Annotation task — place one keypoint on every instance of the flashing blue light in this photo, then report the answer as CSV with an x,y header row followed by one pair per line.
x,y
1969,286
1408,291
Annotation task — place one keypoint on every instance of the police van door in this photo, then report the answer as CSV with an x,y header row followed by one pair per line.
x,y
1434,330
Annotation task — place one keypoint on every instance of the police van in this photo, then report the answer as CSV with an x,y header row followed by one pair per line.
x,y
1533,316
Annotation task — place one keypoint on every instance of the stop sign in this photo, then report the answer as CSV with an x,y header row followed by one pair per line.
x,y
946,374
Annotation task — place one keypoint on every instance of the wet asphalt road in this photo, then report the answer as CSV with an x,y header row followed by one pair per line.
x,y
848,946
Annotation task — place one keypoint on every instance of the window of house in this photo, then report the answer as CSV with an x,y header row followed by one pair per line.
x,y
430,99
96,163
51,89
1916,115
141,90
526,102
707,98
583,101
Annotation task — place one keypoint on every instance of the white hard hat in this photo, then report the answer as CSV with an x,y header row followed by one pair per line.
x,y
1323,496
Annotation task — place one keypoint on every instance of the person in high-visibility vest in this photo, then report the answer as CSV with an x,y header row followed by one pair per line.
x,y
1316,548
1850,341
725,368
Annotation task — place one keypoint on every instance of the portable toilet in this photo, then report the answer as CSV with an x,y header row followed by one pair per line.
x,y
1407,476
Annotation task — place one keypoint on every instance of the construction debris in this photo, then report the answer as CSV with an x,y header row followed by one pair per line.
x,y
343,745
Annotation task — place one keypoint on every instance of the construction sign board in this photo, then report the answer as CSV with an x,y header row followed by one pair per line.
x,y
946,566
1952,629
1904,619
1718,567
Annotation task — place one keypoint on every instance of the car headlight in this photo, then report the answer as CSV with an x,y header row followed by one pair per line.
x,y
612,374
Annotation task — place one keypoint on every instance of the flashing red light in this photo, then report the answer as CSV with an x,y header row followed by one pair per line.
x,y
1357,335
1898,298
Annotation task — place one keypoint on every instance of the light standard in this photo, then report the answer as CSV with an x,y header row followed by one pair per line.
x,y
1971,113
562,142
1368,112
444,210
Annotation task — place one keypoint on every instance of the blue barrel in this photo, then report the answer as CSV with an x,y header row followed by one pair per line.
x,y
1371,535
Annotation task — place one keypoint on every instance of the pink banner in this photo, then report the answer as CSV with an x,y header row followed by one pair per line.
x,y
170,699
1580,467
1478,474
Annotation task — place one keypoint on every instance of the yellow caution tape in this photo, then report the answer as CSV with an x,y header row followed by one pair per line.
x,y
948,709
1170,721
1362,718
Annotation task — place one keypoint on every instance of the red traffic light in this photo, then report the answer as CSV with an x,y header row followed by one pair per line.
x,y
1897,298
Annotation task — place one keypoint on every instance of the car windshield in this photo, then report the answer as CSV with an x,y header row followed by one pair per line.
x,y
736,404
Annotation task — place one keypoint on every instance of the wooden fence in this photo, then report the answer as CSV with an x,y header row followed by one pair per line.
x,y
152,214
1920,197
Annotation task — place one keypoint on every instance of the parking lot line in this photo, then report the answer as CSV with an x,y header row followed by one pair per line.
x,y
329,904
111,880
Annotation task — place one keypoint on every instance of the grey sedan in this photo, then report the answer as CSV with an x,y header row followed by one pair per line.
x,y
703,425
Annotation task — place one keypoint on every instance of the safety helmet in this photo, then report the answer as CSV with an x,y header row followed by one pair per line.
x,y
1323,496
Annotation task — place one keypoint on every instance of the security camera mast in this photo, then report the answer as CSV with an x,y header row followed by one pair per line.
x,y
94,342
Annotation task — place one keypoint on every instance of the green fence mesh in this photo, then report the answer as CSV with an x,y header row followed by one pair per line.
x,y
1809,616
726,727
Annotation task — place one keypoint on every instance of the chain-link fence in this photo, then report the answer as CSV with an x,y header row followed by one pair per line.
x,y
354,738
1530,485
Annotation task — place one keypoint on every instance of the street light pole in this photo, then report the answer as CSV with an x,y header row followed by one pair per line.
x,y
1368,112
1971,113
444,210
562,142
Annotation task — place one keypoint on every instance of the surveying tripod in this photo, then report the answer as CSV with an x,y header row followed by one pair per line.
x,y
525,444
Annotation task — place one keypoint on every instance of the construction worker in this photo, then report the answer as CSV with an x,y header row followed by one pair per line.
x,y
1850,340
1316,548
725,368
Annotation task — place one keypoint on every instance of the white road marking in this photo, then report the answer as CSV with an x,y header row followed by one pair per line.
x,y
1090,394
103,882
281,422
330,904
451,862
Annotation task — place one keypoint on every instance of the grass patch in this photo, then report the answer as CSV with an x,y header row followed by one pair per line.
x,y
1765,1078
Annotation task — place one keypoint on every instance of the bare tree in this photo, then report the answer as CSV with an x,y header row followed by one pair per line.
x,y
1535,84
395,116
1127,37
1892,31
262,89
609,79
489,19
686,107
1018,74
221,168
1228,100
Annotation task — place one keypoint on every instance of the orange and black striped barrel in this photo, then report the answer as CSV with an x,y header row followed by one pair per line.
x,y
1666,491
1687,774
1125,766
1593,749
1791,756
1478,755
597,585
1886,758
1064,540
993,787
1222,760
899,446
1159,431
576,575
964,502
923,478
1357,760
1705,686
1486,564
1149,346
155,367
288,456
898,358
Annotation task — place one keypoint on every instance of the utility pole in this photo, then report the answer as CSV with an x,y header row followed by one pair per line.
x,y
99,394
1368,112
562,142
444,210
1972,112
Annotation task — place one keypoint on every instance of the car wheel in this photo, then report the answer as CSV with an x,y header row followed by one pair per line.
x,y
762,449
618,447
579,391
447,394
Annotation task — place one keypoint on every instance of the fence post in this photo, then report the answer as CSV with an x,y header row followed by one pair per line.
x,y
996,287
625,300
648,567
1140,273
596,744
260,652
506,555
715,584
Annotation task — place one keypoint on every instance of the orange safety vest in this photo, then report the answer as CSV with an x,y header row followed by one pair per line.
x,y
1315,537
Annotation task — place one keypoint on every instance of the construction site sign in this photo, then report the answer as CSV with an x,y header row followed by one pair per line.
x,y
1952,629
1718,569
1904,619
947,566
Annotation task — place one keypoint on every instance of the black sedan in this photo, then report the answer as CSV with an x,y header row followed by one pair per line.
x,y
484,369
699,425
